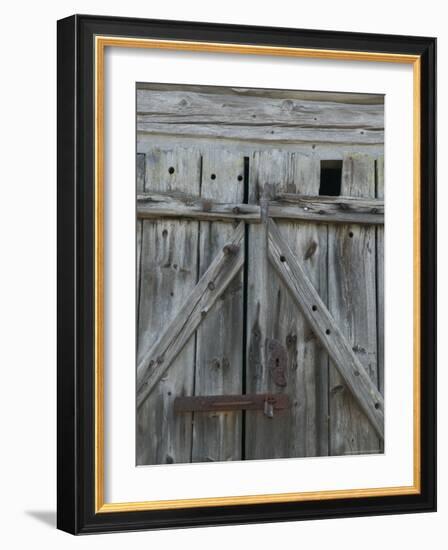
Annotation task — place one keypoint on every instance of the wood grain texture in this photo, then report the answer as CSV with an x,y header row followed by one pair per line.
x,y
231,93
252,116
256,134
380,275
287,206
168,275
185,135
322,150
327,209
189,107
156,205
352,303
154,364
274,322
140,187
219,345
364,391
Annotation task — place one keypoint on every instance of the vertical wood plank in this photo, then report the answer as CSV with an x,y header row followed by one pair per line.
x,y
380,274
168,274
140,186
312,248
219,352
274,321
352,302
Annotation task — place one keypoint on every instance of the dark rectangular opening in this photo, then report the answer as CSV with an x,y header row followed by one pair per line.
x,y
330,177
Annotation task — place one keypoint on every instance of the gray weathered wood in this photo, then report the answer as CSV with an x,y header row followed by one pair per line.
x,y
327,209
256,134
319,96
168,275
257,117
152,205
325,327
380,275
155,362
176,129
219,350
323,151
352,303
310,244
286,206
189,107
140,185
273,320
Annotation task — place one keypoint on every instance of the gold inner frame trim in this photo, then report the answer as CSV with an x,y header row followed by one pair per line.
x,y
101,42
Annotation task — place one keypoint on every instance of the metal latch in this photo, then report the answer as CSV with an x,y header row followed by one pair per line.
x,y
267,402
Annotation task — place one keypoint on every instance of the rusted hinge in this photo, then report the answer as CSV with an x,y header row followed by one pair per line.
x,y
266,402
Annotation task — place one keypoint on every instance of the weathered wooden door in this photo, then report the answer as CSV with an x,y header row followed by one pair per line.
x,y
259,305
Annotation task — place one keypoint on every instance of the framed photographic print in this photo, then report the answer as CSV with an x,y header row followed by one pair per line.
x,y
246,274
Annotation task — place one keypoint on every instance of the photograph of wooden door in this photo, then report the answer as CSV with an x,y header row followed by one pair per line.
x,y
260,299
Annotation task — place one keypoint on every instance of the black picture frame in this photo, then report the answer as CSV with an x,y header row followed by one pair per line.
x,y
76,254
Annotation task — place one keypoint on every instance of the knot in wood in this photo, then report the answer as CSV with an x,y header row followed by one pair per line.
x,y
311,250
336,389
288,105
291,340
277,362
359,349
230,249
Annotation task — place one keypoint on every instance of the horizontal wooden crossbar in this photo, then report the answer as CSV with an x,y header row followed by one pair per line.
x,y
152,205
327,209
324,326
287,206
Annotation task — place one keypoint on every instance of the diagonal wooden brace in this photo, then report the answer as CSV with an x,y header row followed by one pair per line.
x,y
337,346
210,287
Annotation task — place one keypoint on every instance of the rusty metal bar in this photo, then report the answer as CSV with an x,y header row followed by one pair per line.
x,y
269,403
